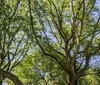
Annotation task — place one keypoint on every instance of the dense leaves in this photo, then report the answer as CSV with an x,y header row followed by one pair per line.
x,y
56,38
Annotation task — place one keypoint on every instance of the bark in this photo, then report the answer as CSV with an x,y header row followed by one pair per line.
x,y
11,77
76,83
71,82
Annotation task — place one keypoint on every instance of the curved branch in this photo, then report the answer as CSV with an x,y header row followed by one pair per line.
x,y
11,76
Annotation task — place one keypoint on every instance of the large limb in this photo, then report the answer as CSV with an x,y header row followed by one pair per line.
x,y
10,76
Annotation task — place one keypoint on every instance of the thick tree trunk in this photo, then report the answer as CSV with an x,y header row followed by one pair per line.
x,y
1,82
74,83
11,76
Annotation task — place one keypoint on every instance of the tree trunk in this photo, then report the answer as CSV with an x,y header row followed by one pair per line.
x,y
1,82
11,77
76,83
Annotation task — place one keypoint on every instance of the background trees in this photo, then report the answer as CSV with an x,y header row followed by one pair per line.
x,y
60,37
13,39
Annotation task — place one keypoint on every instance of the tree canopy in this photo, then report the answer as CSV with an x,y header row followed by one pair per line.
x,y
49,42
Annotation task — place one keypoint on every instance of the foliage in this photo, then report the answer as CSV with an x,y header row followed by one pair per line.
x,y
13,39
38,69
60,38
73,27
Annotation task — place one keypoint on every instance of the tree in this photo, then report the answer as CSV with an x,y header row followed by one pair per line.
x,y
68,32
13,39
37,69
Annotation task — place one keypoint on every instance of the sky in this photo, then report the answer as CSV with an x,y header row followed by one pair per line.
x,y
95,62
